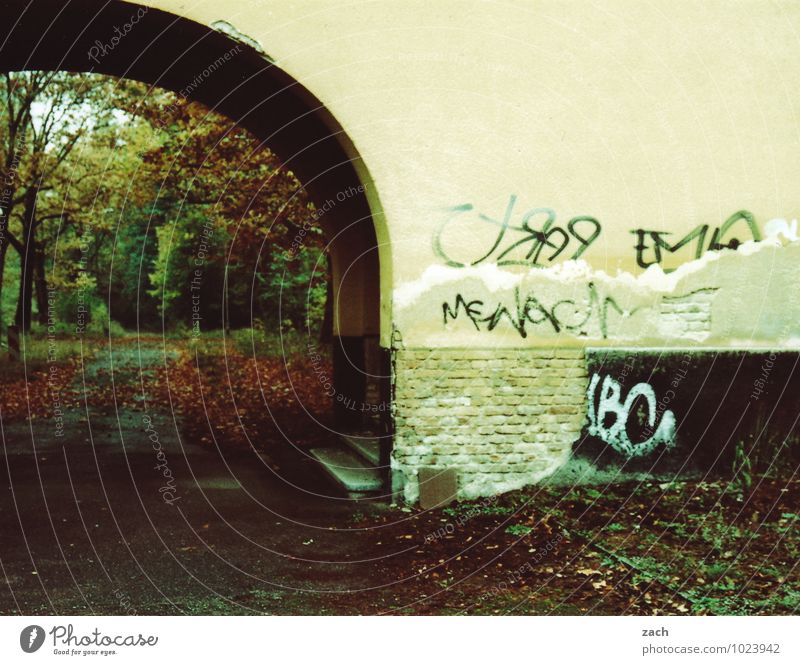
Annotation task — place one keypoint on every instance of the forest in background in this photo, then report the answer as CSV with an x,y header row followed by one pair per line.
x,y
124,206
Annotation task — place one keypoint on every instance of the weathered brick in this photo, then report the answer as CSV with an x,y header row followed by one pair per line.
x,y
493,414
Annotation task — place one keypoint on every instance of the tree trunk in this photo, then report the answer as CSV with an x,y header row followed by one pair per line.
x,y
326,329
7,194
25,299
3,250
41,285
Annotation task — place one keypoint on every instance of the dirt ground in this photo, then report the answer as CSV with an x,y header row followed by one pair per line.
x,y
178,483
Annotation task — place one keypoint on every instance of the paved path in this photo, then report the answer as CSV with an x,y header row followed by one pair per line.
x,y
89,522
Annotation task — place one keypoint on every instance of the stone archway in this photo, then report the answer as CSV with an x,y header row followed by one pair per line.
x,y
161,49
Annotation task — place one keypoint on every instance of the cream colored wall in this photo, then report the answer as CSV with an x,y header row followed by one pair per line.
x,y
662,115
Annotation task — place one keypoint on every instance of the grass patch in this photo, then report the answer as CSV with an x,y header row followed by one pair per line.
x,y
288,343
37,354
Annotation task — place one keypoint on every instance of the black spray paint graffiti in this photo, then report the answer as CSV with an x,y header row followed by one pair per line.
x,y
522,244
718,241
609,417
567,315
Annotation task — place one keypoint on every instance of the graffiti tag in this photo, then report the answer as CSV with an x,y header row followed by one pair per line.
x,y
650,244
609,417
535,241
529,310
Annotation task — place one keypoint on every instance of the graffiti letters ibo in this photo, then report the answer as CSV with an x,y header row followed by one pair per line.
x,y
609,415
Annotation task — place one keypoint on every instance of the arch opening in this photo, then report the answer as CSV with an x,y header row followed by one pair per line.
x,y
159,49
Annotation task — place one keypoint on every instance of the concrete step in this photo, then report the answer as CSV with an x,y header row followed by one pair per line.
x,y
348,469
365,445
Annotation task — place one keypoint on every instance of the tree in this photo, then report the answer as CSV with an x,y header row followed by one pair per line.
x,y
228,185
19,92
118,189
47,115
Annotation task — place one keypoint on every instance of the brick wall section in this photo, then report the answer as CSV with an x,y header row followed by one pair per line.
x,y
503,418
687,317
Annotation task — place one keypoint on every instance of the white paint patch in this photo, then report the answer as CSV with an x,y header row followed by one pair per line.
x,y
653,280
229,30
775,228
493,278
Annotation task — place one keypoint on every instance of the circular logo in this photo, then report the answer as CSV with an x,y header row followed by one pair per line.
x,y
31,638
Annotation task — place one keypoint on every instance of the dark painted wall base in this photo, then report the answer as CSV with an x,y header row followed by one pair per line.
x,y
361,375
691,410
